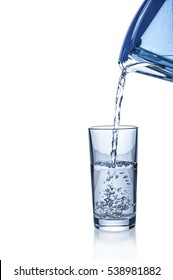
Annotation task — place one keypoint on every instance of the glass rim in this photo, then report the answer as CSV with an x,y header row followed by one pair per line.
x,y
111,127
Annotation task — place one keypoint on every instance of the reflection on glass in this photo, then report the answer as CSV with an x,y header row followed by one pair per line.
x,y
119,245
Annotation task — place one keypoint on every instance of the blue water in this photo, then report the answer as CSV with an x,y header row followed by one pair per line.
x,y
114,190
149,63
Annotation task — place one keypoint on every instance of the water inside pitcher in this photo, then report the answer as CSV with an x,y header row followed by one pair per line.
x,y
148,45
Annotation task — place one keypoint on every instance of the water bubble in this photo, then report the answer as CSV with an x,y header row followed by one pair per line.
x,y
115,200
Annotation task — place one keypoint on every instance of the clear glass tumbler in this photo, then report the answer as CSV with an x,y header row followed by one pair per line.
x,y
114,176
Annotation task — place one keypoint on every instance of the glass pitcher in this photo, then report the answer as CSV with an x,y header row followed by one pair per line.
x,y
148,44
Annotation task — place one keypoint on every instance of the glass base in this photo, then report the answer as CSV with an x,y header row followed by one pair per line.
x,y
115,225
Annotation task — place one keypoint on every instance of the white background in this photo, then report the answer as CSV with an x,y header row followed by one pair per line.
x,y
59,75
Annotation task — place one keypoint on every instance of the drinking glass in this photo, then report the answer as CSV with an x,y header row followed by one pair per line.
x,y
113,176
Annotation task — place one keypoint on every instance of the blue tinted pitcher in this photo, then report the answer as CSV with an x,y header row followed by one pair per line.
x,y
148,45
